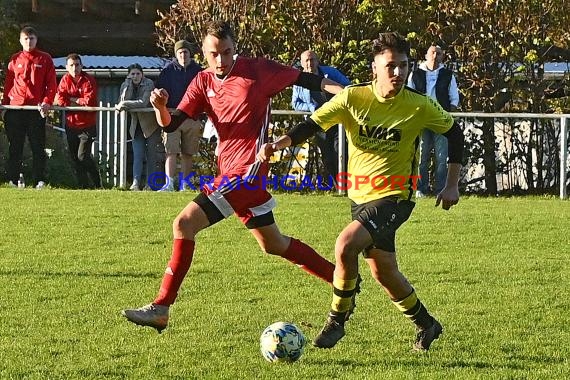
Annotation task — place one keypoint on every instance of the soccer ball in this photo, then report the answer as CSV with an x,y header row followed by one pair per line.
x,y
282,342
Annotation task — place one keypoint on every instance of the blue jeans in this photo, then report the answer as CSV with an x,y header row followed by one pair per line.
x,y
145,148
431,140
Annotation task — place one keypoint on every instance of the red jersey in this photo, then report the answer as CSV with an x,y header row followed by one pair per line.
x,y
30,79
239,108
85,90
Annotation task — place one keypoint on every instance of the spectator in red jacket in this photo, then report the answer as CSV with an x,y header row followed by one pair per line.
x,y
30,81
77,88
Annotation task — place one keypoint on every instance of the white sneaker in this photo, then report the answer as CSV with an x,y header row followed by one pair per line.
x,y
419,194
151,315
40,185
167,188
135,186
12,184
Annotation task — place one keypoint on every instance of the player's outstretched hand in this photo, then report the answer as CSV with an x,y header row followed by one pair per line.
x,y
448,197
158,97
265,152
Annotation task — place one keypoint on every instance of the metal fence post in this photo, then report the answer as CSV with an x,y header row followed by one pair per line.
x,y
563,157
107,145
123,150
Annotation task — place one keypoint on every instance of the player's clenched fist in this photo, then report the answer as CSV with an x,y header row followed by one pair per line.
x,y
265,151
158,97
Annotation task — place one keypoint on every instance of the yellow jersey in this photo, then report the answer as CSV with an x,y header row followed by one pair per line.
x,y
383,138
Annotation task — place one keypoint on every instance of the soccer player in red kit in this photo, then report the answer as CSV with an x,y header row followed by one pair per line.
x,y
235,93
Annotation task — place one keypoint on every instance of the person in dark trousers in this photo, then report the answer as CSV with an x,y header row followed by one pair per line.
x,y
77,88
433,79
30,81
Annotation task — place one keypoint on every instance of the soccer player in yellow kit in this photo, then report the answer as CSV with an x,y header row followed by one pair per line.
x,y
383,120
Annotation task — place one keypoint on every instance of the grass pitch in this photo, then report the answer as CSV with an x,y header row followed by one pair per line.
x,y
494,271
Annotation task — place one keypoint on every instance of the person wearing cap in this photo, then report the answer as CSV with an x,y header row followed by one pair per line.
x,y
175,78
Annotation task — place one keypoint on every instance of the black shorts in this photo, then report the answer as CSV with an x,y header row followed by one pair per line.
x,y
381,218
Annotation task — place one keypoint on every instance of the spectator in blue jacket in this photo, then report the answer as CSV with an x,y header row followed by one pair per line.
x,y
307,100
175,78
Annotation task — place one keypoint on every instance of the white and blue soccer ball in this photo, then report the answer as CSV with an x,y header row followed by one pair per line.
x,y
282,342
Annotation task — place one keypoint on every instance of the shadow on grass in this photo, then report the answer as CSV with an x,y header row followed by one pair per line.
x,y
32,273
521,362
482,365
414,363
335,362
538,359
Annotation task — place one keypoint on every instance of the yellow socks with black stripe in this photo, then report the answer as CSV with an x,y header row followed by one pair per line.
x,y
343,291
414,310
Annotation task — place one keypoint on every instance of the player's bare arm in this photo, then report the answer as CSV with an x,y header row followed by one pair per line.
x,y
449,196
331,86
267,150
295,136
314,82
169,121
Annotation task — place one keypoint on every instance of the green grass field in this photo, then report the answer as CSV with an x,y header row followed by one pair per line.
x,y
494,271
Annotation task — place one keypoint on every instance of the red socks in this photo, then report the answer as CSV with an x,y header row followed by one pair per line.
x,y
183,250
310,261
178,266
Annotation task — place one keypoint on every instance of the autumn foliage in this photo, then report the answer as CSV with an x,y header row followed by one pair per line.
x,y
496,47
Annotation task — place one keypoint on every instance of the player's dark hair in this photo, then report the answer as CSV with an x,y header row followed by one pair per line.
x,y
74,57
29,31
392,41
134,66
219,29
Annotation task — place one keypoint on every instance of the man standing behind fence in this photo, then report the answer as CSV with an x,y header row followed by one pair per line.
x,y
438,82
30,81
175,78
77,88
306,100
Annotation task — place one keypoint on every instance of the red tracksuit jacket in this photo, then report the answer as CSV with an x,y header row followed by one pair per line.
x,y
30,79
85,90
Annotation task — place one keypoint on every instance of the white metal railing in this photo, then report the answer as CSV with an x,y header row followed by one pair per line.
x,y
563,118
563,140
563,157
111,143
